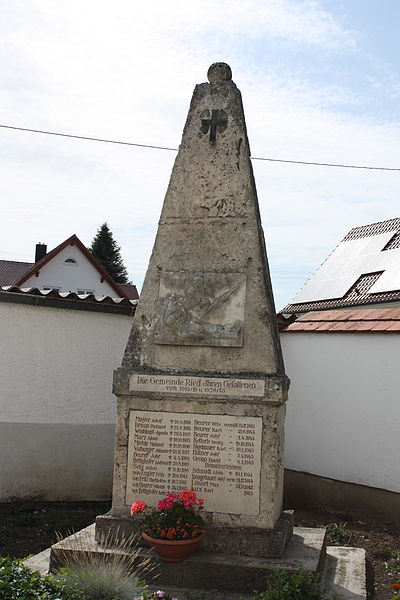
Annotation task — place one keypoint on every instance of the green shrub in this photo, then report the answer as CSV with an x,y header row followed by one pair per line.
x,y
17,582
338,534
281,585
392,564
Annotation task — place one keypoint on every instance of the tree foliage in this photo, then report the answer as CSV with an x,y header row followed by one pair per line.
x,y
107,252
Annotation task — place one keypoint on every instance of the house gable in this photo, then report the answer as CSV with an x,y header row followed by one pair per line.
x,y
70,267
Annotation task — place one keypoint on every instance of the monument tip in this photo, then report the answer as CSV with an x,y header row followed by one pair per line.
x,y
219,72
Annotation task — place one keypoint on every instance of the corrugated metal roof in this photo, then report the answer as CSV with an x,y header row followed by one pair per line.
x,y
377,320
54,299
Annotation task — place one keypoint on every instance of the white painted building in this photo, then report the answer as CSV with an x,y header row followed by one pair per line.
x,y
343,413
57,407
69,267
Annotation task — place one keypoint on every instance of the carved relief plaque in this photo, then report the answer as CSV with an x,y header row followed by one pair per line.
x,y
218,456
201,309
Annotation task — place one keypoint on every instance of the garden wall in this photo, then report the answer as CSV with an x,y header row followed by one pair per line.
x,y
343,413
57,408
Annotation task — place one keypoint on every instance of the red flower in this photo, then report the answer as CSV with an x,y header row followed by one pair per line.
x,y
396,586
167,502
187,495
138,506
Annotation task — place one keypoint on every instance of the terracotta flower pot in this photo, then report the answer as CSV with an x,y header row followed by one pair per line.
x,y
173,550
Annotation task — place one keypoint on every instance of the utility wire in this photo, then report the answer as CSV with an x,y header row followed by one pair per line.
x,y
83,137
280,160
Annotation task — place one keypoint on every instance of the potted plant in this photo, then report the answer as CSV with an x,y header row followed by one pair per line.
x,y
175,527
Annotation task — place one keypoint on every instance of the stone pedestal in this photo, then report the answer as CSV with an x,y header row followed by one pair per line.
x,y
227,445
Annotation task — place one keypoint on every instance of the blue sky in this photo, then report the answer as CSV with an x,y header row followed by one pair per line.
x,y
319,79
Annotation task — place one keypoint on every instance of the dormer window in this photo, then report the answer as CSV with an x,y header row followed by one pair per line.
x,y
70,261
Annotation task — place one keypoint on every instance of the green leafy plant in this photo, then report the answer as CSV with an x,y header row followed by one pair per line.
x,y
17,582
392,564
158,595
338,534
301,585
175,518
396,587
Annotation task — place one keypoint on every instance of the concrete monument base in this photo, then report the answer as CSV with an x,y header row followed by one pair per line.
x,y
243,541
211,571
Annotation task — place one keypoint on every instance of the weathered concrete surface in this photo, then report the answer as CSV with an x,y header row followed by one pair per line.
x,y
207,571
244,541
271,475
344,572
210,223
39,562
206,310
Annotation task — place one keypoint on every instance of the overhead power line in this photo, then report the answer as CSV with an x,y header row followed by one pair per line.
x,y
279,160
84,137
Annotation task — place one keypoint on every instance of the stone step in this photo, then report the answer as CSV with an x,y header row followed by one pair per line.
x,y
39,562
344,572
224,572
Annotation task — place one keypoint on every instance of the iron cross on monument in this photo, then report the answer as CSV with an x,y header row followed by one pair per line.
x,y
214,123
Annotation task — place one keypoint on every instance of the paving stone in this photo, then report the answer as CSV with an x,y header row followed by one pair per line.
x,y
344,572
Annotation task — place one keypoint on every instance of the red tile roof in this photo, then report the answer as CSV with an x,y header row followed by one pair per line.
x,y
12,270
130,290
377,320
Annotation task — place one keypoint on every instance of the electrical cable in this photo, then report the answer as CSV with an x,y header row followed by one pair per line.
x,y
280,160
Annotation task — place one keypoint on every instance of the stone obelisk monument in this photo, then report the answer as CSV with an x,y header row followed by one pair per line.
x,y
202,389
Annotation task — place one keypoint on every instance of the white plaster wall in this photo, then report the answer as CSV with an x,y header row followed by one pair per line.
x,y
343,413
70,278
57,410
57,364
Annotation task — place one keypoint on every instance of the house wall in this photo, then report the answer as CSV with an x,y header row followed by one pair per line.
x,y
57,407
343,413
70,277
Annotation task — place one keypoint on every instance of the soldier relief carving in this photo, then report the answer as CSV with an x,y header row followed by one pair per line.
x,y
201,309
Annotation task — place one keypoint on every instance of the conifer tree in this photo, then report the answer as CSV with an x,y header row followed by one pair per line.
x,y
107,252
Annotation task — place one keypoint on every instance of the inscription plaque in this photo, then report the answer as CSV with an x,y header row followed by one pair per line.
x,y
201,309
218,456
178,384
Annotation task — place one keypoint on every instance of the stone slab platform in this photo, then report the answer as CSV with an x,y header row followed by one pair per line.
x,y
343,575
344,572
207,571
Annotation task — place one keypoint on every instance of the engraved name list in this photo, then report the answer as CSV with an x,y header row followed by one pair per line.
x,y
219,456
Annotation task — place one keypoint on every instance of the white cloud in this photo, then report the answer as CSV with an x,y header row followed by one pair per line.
x,y
126,71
